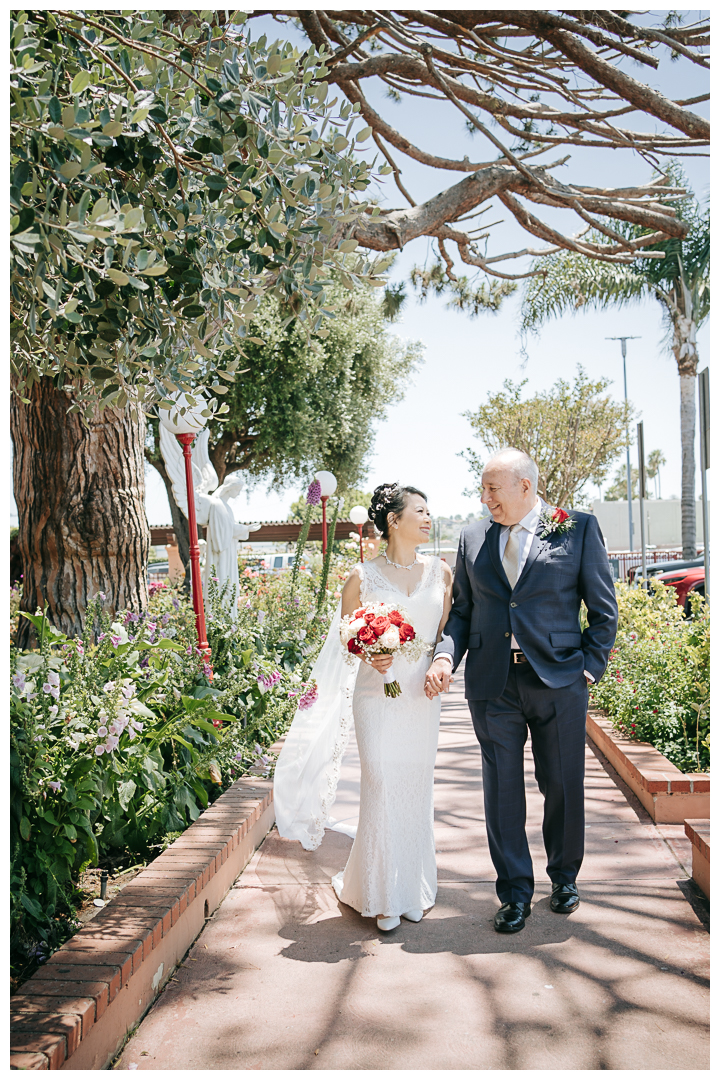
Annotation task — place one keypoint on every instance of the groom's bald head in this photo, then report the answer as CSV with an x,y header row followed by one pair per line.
x,y
509,485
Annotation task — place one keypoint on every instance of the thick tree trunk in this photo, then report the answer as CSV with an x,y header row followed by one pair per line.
x,y
80,493
687,437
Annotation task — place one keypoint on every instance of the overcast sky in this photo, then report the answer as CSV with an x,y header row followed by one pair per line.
x,y
465,359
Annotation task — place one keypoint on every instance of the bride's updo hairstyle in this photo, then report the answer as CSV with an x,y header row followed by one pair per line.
x,y
389,499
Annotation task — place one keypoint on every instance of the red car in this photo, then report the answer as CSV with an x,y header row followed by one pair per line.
x,y
684,582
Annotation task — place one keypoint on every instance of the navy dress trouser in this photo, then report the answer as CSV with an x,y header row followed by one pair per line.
x,y
556,722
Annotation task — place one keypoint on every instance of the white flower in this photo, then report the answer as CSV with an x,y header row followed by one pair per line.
x,y
390,639
345,634
356,625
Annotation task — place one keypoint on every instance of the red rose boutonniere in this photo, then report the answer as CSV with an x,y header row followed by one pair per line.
x,y
556,521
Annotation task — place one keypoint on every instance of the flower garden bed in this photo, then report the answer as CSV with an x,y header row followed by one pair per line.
x,y
668,795
79,1007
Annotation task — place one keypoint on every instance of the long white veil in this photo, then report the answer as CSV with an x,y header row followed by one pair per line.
x,y
307,770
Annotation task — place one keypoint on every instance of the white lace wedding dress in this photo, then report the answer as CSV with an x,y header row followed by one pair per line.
x,y
392,868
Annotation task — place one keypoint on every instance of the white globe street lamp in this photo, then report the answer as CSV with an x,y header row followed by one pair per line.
x,y
185,427
358,516
328,487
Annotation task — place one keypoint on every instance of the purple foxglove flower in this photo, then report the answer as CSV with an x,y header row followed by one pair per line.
x,y
53,711
261,616
99,750
127,692
115,640
101,636
55,785
19,682
314,493
112,741
145,662
109,687
137,725
165,618
102,731
80,651
102,596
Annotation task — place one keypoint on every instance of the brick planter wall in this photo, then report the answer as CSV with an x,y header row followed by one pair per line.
x,y
698,831
79,1007
668,795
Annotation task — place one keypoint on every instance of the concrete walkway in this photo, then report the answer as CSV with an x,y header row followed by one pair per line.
x,y
285,977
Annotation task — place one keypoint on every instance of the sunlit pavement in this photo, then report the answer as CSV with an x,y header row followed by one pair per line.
x,y
285,977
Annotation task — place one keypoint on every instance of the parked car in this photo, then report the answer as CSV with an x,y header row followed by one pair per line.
x,y
661,567
685,581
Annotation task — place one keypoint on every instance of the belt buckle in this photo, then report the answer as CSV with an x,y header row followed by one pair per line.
x,y
519,657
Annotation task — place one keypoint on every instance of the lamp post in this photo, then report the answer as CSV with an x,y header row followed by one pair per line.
x,y
704,393
328,486
185,427
358,516
641,497
623,346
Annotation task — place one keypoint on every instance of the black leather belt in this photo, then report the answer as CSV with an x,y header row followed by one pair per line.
x,y
518,657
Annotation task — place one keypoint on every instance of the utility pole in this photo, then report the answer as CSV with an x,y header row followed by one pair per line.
x,y
623,346
641,497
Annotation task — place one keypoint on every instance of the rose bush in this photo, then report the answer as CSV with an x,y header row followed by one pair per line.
x,y
657,685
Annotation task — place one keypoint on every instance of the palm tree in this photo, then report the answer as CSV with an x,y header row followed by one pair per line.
x,y
680,282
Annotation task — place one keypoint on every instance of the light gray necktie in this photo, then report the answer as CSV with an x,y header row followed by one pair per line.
x,y
511,558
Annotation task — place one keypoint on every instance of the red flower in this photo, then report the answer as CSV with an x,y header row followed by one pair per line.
x,y
366,635
359,612
379,624
559,515
406,632
354,647
395,618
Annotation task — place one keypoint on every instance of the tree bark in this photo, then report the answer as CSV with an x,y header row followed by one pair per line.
x,y
687,436
80,493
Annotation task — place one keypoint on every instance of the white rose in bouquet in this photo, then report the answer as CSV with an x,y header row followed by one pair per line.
x,y
390,639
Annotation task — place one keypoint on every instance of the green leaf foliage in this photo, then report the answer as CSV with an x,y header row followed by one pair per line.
x,y
164,180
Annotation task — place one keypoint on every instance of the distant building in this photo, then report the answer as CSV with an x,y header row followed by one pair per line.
x,y
663,528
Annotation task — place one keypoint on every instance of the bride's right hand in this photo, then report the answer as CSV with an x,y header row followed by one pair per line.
x,y
380,661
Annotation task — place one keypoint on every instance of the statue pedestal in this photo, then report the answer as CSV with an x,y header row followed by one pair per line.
x,y
176,570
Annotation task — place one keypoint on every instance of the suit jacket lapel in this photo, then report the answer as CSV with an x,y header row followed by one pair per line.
x,y
493,543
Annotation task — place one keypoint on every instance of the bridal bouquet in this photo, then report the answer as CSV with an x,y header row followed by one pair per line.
x,y
379,628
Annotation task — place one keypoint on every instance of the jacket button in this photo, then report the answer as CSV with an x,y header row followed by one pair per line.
x,y
513,604
507,634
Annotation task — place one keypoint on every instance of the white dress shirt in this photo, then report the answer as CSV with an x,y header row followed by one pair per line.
x,y
529,527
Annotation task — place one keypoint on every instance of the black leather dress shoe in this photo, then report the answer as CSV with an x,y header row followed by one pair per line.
x,y
511,918
564,899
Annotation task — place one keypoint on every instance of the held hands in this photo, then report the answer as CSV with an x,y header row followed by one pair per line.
x,y
438,678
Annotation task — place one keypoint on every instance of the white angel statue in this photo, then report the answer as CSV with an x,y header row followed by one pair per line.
x,y
211,507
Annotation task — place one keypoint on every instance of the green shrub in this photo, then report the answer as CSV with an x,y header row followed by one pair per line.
x,y
657,686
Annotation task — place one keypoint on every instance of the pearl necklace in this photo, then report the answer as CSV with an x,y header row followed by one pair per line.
x,y
400,566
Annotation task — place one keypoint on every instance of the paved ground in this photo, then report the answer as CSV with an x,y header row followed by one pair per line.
x,y
285,977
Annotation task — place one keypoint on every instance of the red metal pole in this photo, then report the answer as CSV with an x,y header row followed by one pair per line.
x,y
324,499
361,549
187,441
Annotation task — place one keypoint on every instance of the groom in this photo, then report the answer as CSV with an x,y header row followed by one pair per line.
x,y
519,581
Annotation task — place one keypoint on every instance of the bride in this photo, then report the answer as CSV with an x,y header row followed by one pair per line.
x,y
391,871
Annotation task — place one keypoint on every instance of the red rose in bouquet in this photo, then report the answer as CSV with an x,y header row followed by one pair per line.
x,y
395,618
559,515
379,624
366,635
355,647
407,633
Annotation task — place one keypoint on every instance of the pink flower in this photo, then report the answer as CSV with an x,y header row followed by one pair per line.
x,y
115,640
314,493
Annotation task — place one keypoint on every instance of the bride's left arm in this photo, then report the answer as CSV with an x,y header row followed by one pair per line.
x,y
447,599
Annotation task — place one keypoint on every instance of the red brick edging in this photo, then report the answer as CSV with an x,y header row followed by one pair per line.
x,y
79,1007
668,795
698,831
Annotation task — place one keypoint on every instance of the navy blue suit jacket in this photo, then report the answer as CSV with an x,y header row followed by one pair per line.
x,y
542,611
